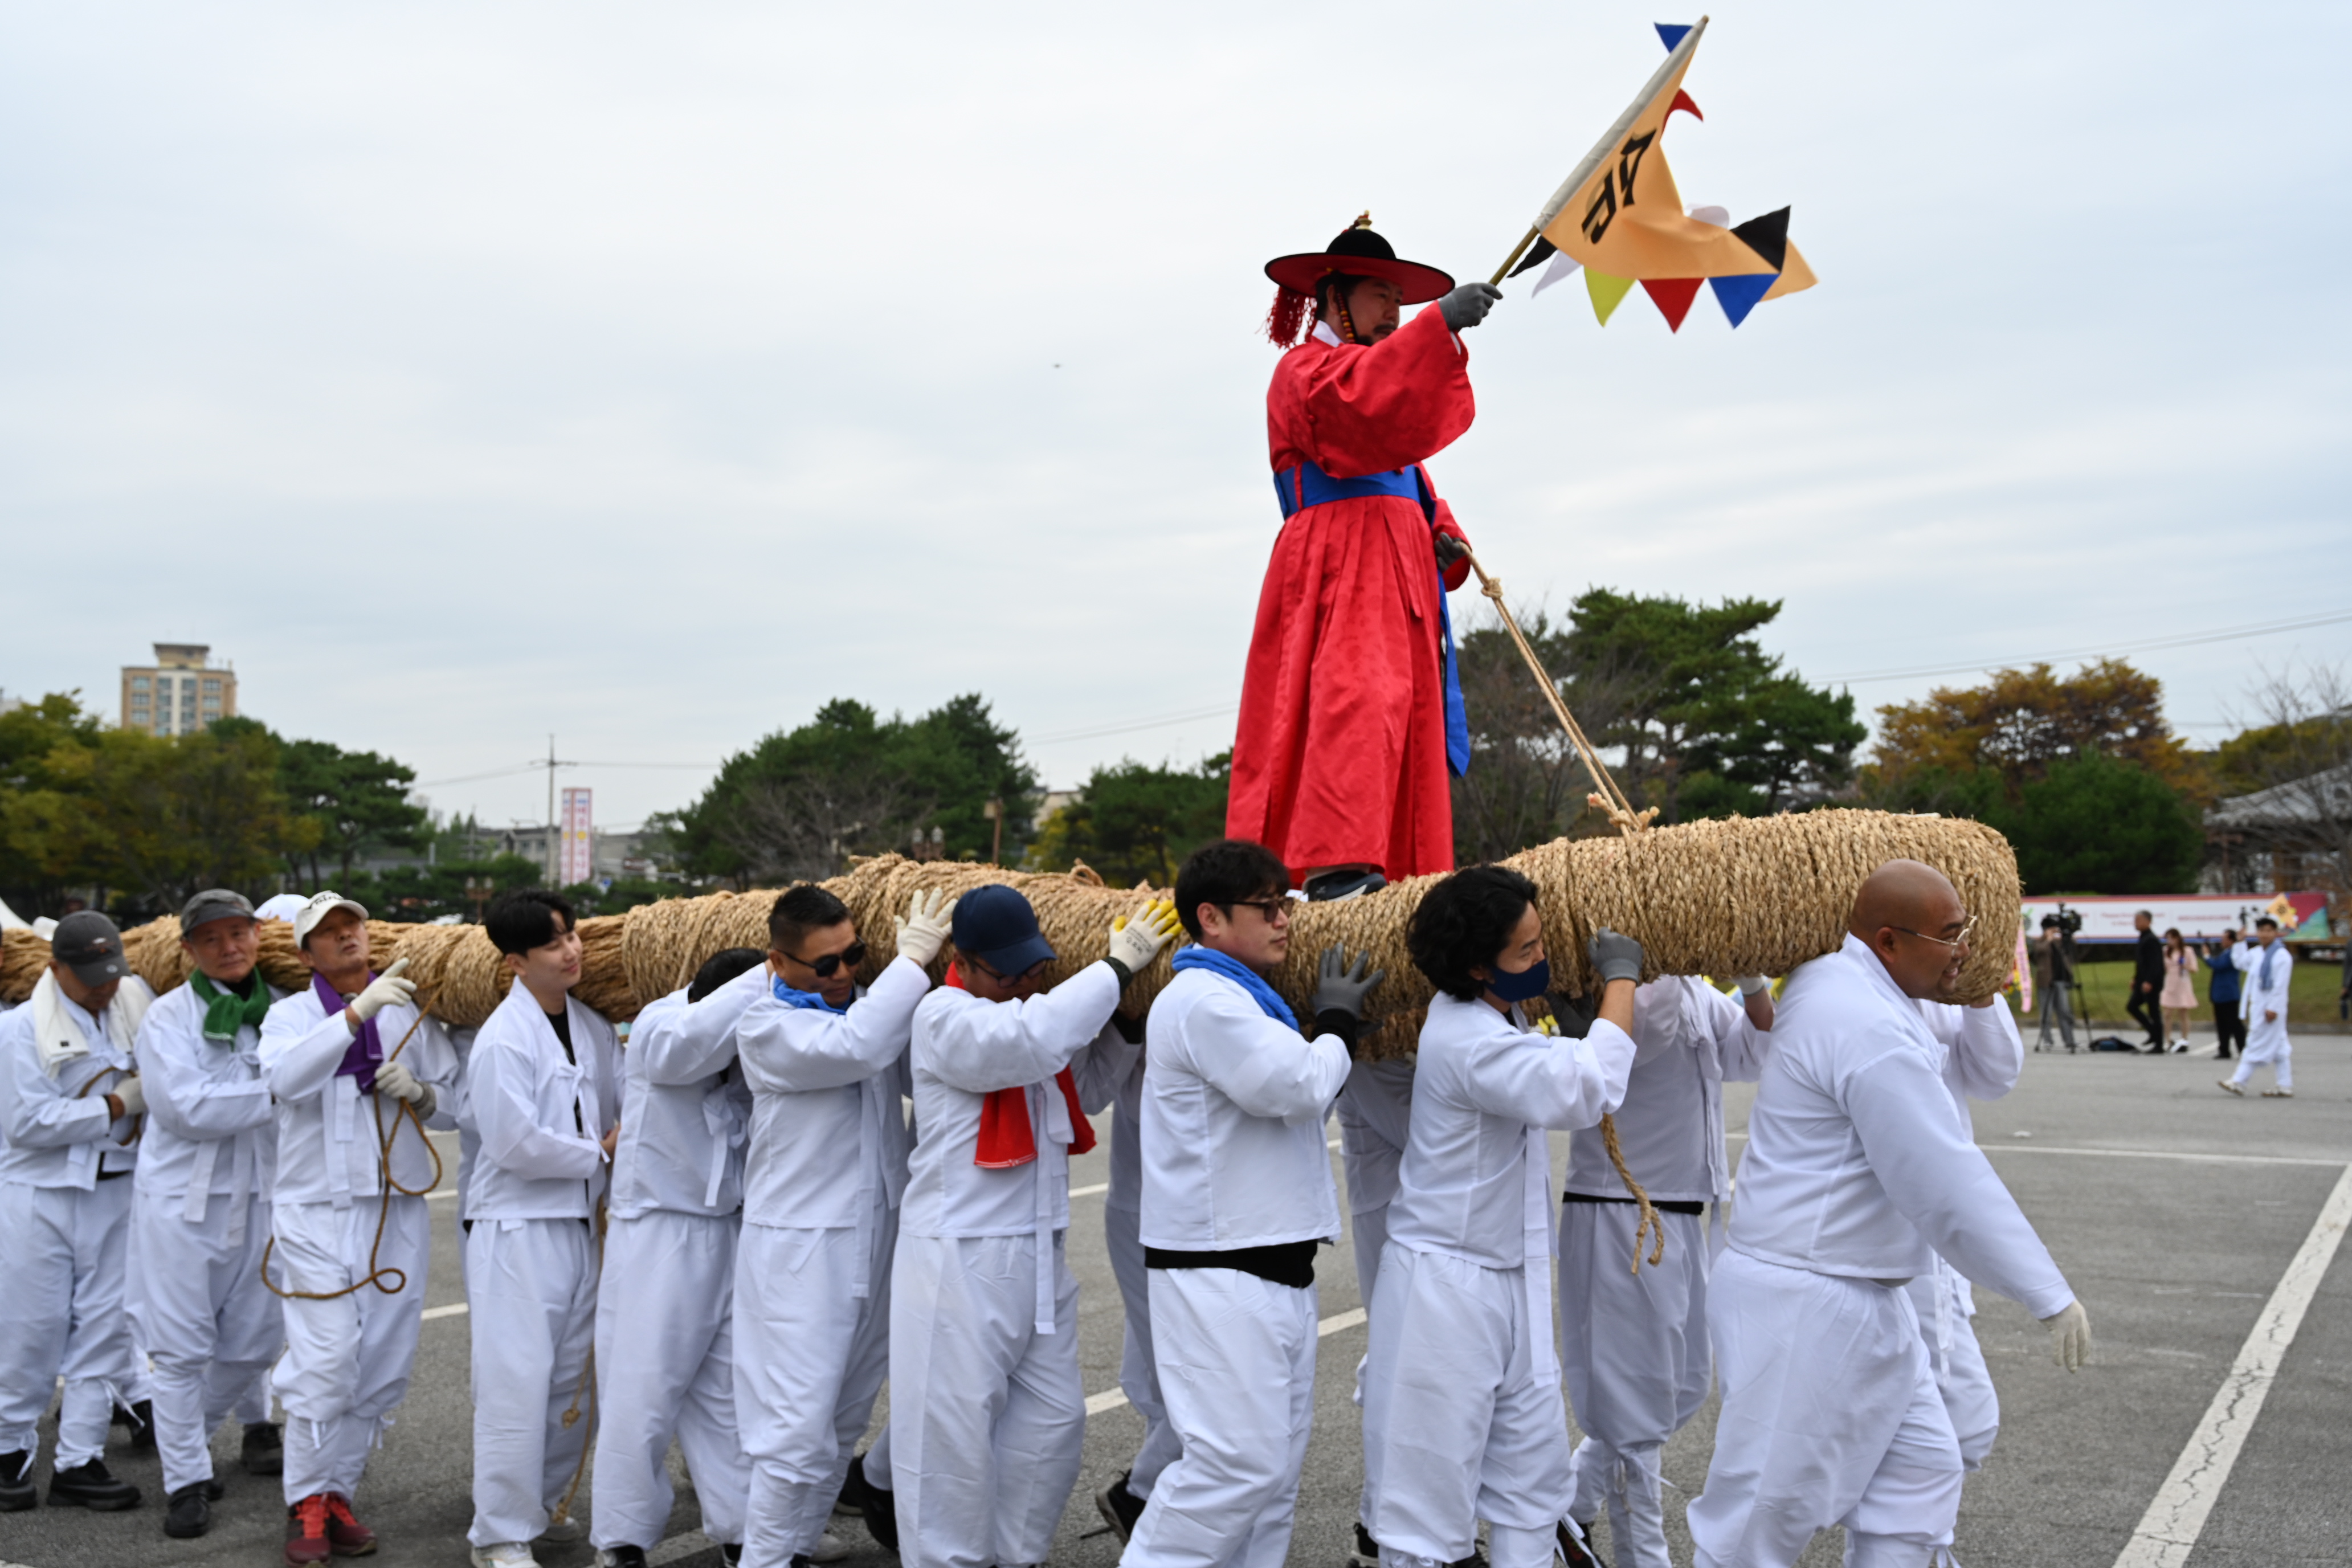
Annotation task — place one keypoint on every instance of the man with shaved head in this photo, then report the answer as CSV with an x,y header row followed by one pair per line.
x,y
1859,1174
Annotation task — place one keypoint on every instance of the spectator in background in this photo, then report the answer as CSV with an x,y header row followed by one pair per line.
x,y
2180,994
2147,983
2225,961
2053,982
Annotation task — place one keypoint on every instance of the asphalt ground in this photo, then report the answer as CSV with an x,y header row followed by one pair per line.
x,y
2173,1208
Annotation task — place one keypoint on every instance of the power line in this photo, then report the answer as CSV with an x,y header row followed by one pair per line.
x,y
1163,720
2184,639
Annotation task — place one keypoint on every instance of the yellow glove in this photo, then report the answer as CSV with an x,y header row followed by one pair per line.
x,y
1135,940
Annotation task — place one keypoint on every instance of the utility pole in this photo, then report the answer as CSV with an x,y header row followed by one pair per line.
x,y
553,870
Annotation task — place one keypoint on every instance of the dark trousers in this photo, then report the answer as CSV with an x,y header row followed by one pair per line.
x,y
2229,1024
2146,1013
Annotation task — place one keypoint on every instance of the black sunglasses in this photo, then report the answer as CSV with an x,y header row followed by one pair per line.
x,y
825,968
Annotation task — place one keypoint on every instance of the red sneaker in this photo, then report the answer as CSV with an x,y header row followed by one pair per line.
x,y
306,1532
346,1534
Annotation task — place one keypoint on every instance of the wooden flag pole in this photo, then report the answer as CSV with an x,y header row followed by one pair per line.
x,y
1675,59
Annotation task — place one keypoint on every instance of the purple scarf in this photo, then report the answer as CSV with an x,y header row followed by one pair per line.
x,y
367,1052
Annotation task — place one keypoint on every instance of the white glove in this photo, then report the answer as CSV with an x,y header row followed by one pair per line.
x,y
133,1094
1751,983
1135,940
384,991
396,1080
2071,1331
924,929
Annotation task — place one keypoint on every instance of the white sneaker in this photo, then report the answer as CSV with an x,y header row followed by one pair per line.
x,y
829,1548
504,1555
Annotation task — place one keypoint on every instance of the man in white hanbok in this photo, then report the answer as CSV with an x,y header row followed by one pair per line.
x,y
2268,972
543,1090
1857,1175
1375,1115
71,1098
201,1214
987,1410
1633,1342
1120,1499
827,1063
1237,1195
349,1059
666,1308
1463,1418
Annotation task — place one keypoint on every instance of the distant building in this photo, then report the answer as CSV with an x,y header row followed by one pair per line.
x,y
180,693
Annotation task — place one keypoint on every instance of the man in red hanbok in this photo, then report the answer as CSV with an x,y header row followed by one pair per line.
x,y
1351,713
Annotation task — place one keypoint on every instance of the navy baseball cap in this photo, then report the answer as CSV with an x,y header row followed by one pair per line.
x,y
996,926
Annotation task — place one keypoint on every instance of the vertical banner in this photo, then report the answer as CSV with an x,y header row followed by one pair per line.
x,y
576,857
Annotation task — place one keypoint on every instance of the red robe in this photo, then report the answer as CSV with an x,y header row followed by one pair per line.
x,y
1339,757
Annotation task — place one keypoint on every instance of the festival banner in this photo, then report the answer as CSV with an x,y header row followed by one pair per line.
x,y
2199,917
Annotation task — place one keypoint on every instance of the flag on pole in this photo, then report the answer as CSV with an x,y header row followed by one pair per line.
x,y
1620,217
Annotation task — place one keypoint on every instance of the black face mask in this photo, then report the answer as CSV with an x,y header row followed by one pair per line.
x,y
1527,983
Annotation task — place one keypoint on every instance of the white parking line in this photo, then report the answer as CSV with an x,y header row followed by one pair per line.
x,y
454,1309
2167,1532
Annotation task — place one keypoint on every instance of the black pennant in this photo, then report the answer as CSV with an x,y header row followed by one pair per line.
x,y
1541,252
1767,236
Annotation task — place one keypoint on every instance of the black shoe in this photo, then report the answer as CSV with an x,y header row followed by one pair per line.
x,y
191,1513
142,1427
801,1560
622,1557
1118,1507
1575,1554
263,1452
17,1491
1367,1554
730,1553
93,1485
880,1505
1333,886
215,1489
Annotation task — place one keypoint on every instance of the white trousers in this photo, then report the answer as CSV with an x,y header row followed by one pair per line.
x,y
66,1255
1457,1425
1946,1322
1236,1358
666,1367
1370,1230
210,1326
347,1361
1634,1352
809,1360
531,1293
1139,1377
987,1414
2266,1043
1831,1415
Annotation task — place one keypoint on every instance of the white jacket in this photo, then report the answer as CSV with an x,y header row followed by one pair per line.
x,y
54,1131
1375,1124
1690,1038
686,1112
1984,1055
1233,1104
211,1128
331,1136
1857,1164
541,1119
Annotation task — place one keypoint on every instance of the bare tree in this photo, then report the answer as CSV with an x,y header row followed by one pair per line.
x,y
2298,751
807,827
1525,785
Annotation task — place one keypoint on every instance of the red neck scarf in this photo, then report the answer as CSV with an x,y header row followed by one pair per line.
x,y
1006,1140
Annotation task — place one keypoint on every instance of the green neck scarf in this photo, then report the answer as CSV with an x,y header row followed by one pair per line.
x,y
224,1010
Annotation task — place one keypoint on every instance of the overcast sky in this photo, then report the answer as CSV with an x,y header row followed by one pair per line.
x,y
650,374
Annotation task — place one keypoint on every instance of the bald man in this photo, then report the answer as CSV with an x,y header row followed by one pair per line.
x,y
1859,1175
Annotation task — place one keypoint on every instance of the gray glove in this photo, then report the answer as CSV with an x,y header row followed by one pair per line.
x,y
394,1079
1339,989
132,1093
1467,305
1614,954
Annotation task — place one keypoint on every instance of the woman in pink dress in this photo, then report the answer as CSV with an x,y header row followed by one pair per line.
x,y
2179,997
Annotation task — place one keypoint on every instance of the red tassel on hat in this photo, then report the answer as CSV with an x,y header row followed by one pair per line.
x,y
1287,320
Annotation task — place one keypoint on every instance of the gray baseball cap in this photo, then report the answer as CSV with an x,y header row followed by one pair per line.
x,y
215,904
87,943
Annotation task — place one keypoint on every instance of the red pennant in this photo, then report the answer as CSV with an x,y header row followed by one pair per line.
x,y
1673,296
1683,102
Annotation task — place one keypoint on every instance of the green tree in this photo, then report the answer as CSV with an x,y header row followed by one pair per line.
x,y
445,890
355,801
1134,823
170,815
46,844
2095,824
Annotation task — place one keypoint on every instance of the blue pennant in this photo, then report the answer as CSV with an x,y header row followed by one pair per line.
x,y
1738,295
1672,32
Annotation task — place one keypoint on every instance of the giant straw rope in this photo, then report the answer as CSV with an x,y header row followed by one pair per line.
x,y
1741,896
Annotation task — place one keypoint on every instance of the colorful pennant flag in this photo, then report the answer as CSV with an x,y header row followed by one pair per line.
x,y
1621,218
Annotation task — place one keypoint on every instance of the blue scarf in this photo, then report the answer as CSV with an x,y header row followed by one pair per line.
x,y
2270,956
816,999
1269,1001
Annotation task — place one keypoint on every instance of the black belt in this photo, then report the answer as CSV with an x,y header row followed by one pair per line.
x,y
1663,1206
110,1175
1290,1263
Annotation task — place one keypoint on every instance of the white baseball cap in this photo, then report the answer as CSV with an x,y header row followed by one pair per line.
x,y
321,906
280,907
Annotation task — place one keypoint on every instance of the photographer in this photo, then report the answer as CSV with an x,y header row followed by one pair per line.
x,y
2053,979
2229,1020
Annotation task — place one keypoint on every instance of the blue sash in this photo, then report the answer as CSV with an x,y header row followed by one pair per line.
x,y
1305,486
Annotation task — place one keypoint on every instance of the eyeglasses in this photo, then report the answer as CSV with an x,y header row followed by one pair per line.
x,y
825,968
1275,911
1004,979
1955,942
